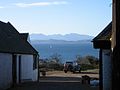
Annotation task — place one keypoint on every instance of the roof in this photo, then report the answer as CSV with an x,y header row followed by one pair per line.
x,y
105,34
24,35
12,42
102,40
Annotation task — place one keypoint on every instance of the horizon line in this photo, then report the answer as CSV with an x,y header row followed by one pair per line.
x,y
61,34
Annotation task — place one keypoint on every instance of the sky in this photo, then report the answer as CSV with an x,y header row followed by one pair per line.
x,y
48,17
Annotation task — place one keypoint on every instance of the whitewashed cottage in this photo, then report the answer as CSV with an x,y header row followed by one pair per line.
x,y
18,59
103,42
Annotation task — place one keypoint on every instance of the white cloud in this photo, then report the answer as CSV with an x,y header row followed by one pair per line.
x,y
32,4
58,3
41,4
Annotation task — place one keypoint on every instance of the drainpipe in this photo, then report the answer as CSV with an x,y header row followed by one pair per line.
x,y
19,68
38,67
100,70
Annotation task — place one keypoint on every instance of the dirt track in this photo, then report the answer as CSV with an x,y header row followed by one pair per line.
x,y
58,80
70,74
53,86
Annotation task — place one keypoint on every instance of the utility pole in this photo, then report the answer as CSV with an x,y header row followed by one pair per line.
x,y
115,45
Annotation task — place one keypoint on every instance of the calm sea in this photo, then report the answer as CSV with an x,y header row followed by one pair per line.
x,y
67,51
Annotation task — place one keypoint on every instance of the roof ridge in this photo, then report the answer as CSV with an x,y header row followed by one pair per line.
x,y
103,31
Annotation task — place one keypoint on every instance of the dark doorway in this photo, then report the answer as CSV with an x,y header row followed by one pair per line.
x,y
14,71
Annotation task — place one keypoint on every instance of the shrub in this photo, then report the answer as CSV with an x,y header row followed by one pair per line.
x,y
88,62
86,67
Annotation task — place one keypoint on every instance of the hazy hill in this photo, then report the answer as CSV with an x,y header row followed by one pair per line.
x,y
52,41
66,37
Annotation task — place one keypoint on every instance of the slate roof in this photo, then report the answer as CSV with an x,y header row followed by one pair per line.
x,y
105,34
24,35
102,40
12,42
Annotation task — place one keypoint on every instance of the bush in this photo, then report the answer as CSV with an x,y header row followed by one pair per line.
x,y
54,62
55,66
88,62
86,67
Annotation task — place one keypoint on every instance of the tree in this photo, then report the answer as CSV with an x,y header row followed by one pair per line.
x,y
79,58
56,58
93,60
55,62
87,62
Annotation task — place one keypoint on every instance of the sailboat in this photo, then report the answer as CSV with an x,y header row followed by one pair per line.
x,y
50,46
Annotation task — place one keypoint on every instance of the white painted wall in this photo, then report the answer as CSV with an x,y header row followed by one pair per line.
x,y
107,70
27,72
35,75
5,70
35,72
26,67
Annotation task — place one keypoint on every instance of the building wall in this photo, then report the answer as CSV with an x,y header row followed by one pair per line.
x,y
107,70
27,72
113,24
35,72
5,70
35,75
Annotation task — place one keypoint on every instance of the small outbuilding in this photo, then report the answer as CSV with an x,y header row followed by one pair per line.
x,y
103,42
18,58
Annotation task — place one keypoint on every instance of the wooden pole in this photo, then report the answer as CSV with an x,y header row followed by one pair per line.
x,y
116,45
38,68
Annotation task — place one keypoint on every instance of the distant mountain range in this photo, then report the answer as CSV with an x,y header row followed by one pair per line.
x,y
52,41
66,37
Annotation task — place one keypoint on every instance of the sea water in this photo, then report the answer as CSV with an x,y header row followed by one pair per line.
x,y
67,52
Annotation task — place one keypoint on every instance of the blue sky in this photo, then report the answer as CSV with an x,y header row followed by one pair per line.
x,y
57,16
